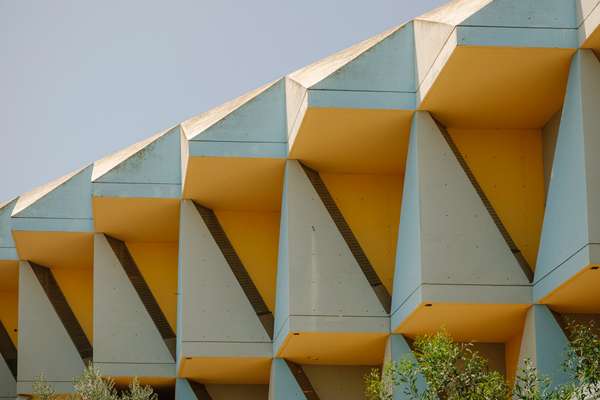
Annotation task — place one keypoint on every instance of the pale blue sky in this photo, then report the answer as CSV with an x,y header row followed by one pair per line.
x,y
80,79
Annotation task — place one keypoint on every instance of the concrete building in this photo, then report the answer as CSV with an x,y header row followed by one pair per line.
x,y
441,174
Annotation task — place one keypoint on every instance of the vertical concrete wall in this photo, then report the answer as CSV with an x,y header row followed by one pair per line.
x,y
44,344
126,340
283,385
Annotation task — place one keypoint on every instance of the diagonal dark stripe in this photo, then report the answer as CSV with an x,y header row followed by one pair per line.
x,y
144,293
349,237
302,380
237,267
525,267
63,310
199,390
8,351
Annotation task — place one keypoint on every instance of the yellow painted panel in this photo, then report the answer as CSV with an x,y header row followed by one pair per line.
x,y
9,313
492,323
371,206
255,238
499,87
513,349
242,184
77,286
56,249
158,264
239,370
353,141
334,348
578,295
9,275
509,166
139,220
593,42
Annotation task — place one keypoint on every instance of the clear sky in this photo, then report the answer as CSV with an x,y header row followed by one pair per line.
x,y
80,79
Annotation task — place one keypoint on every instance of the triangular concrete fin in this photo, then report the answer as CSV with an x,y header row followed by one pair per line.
x,y
389,65
454,12
320,250
314,73
408,271
8,384
526,14
154,160
398,349
283,385
211,290
44,344
460,243
259,116
6,209
430,38
123,330
573,193
67,197
544,343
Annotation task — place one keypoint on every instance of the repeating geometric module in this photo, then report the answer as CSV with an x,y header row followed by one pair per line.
x,y
441,174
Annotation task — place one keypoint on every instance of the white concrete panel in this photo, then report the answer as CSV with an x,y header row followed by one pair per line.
x,y
460,242
44,344
123,330
214,306
324,277
430,38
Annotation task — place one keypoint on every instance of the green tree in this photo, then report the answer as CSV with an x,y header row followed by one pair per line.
x,y
454,371
91,385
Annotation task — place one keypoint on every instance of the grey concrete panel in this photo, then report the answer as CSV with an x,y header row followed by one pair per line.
x,y
123,330
324,278
214,307
44,344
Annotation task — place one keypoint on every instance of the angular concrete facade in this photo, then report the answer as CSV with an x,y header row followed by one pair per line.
x,y
440,174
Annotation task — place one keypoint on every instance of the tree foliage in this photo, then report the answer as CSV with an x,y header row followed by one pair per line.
x,y
91,385
441,369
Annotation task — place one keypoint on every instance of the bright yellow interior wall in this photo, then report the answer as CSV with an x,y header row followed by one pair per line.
x,y
353,141
137,220
224,370
371,206
158,264
578,295
499,87
255,238
508,164
56,249
77,286
334,348
492,323
9,313
235,183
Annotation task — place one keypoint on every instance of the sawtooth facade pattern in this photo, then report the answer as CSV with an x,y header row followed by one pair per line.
x,y
444,173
